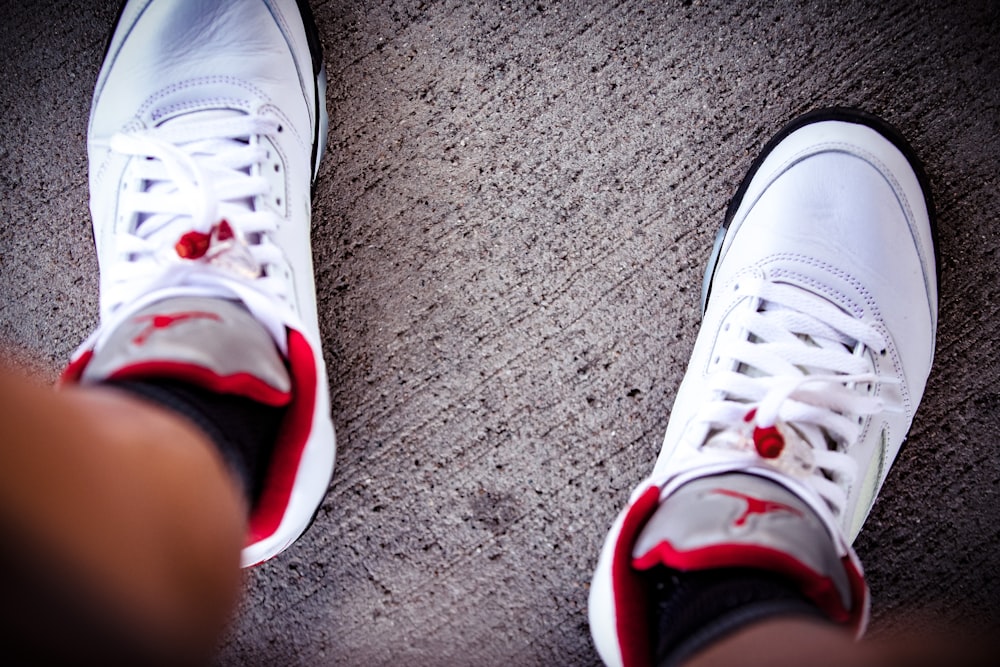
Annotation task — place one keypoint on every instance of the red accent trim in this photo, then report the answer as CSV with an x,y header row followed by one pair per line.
x,y
167,320
859,593
755,505
270,509
74,370
237,384
631,618
817,587
193,245
223,231
768,441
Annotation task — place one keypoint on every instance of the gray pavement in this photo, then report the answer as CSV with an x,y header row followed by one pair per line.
x,y
509,236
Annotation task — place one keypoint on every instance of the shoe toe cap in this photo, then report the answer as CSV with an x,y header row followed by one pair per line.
x,y
168,57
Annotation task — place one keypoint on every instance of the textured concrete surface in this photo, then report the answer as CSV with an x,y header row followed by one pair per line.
x,y
509,237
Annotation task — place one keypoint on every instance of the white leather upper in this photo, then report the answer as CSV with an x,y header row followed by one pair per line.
x,y
831,236
837,210
175,71
169,58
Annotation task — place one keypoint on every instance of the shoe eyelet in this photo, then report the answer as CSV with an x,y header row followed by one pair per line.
x,y
281,128
276,168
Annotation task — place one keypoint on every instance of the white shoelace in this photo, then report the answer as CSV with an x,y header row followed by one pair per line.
x,y
798,367
195,173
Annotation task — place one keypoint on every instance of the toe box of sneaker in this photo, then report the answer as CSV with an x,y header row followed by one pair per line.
x,y
844,225
169,57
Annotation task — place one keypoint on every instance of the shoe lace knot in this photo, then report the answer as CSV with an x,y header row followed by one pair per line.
x,y
796,387
191,202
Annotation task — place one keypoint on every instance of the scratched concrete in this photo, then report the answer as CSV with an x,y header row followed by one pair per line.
x,y
509,236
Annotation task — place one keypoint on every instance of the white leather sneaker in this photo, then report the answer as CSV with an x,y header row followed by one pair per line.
x,y
820,311
206,131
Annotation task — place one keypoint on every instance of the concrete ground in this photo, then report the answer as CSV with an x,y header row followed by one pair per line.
x,y
509,237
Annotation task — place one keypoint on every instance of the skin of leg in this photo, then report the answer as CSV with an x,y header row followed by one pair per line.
x,y
788,642
793,642
128,496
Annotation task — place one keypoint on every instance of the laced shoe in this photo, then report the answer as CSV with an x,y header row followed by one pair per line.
x,y
820,312
206,131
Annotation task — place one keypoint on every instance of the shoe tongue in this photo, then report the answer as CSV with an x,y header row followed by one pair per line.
x,y
210,343
740,520
735,520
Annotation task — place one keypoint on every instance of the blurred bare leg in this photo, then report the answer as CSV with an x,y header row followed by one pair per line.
x,y
131,499
793,642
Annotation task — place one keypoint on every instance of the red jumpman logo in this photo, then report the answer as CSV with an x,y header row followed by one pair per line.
x,y
756,506
157,322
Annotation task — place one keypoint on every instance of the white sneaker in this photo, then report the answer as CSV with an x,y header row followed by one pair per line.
x,y
819,326
206,131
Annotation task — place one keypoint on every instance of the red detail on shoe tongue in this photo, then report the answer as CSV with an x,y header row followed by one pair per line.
x,y
755,505
768,441
193,245
167,320
292,441
224,231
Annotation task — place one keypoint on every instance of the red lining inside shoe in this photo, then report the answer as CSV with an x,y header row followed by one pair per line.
x,y
237,384
631,623
820,589
267,514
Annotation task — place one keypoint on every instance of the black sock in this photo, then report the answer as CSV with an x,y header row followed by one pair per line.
x,y
691,610
243,430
